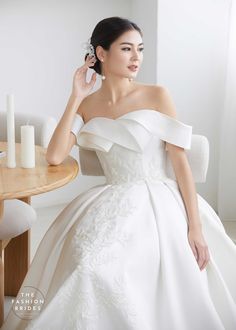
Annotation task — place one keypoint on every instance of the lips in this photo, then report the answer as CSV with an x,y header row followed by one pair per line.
x,y
133,67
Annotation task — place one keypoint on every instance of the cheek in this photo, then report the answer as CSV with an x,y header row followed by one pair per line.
x,y
121,57
118,60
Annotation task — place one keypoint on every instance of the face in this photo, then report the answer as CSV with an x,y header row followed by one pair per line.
x,y
124,57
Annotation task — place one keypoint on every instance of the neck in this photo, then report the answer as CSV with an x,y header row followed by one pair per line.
x,y
114,89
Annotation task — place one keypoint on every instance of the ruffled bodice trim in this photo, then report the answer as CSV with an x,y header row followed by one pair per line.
x,y
100,133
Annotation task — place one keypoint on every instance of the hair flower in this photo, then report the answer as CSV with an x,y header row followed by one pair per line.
x,y
89,47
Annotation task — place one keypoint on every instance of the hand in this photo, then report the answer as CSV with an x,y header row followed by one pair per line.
x,y
199,247
80,87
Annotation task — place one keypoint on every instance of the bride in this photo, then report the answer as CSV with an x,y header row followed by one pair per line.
x,y
142,251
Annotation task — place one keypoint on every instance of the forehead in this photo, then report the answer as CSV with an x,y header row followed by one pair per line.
x,y
132,36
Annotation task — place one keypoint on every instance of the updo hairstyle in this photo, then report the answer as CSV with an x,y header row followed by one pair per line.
x,y
106,32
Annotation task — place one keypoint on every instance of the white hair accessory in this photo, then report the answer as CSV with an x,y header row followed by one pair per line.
x,y
89,47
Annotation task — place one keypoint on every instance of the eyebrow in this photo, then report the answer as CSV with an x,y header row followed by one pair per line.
x,y
130,43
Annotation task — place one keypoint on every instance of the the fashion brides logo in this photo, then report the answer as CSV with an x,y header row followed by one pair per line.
x,y
28,303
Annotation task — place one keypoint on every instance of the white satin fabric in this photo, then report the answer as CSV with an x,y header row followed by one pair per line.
x,y
118,256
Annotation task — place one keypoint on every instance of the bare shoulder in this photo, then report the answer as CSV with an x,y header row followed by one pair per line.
x,y
151,89
162,100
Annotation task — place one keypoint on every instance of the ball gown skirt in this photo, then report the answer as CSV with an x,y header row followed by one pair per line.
x,y
118,257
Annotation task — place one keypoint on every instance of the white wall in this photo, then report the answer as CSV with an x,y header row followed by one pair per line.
x,y
41,47
185,50
145,15
227,174
192,55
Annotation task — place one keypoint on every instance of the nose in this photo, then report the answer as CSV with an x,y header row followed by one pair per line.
x,y
135,55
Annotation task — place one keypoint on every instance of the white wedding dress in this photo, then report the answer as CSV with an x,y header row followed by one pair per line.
x,y
118,257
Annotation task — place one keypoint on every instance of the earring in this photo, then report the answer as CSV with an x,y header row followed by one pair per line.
x,y
130,79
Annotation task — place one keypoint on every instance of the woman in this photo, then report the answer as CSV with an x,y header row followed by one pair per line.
x,y
141,251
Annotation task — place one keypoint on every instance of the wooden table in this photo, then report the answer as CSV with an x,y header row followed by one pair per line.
x,y
21,183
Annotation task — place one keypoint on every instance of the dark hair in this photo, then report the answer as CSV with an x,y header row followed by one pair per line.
x,y
106,32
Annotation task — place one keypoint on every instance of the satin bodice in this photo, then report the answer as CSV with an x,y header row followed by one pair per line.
x,y
133,146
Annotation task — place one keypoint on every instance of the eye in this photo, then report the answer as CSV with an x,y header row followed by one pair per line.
x,y
140,49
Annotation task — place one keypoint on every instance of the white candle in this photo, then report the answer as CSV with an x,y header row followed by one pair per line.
x,y
11,153
27,146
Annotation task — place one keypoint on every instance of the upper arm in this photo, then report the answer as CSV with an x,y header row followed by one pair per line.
x,y
165,104
163,101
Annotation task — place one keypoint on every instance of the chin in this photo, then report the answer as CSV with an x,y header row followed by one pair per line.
x,y
131,76
128,75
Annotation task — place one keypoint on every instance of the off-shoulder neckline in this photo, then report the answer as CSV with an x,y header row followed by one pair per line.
x,y
128,113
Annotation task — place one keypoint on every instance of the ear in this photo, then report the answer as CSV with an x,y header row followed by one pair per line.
x,y
100,52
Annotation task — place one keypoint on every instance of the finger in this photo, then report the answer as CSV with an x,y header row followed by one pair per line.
x,y
90,59
91,62
81,71
207,258
192,245
202,257
91,56
93,79
94,76
204,265
85,66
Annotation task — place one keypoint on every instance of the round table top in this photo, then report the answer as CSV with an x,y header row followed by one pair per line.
x,y
21,182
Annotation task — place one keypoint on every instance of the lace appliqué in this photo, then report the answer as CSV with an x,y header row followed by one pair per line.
x,y
92,294
155,168
87,304
105,226
120,167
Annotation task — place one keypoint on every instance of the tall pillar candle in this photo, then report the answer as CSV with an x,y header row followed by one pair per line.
x,y
11,152
27,146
